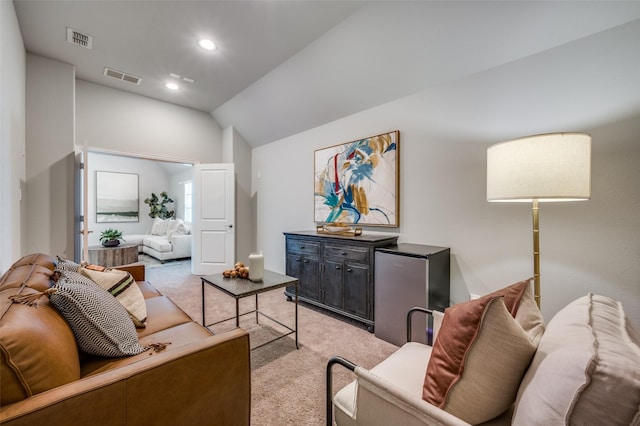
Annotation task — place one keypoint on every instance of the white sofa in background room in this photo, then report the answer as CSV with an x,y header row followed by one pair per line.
x,y
168,239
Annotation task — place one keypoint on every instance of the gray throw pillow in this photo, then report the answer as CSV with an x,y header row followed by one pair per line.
x,y
99,322
66,265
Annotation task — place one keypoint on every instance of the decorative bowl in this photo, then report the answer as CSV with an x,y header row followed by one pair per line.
x,y
335,229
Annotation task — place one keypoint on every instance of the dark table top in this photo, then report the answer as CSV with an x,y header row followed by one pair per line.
x,y
241,287
365,237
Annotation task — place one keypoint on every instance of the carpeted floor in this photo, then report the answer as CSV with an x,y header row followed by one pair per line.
x,y
288,385
151,262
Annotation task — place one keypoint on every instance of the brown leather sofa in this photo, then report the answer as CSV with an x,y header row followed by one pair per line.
x,y
198,379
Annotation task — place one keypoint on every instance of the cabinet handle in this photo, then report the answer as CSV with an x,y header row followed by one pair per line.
x,y
344,253
338,267
306,261
348,269
298,259
301,247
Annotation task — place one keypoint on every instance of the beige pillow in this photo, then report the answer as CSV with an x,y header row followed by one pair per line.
x,y
478,360
159,226
586,370
123,287
176,227
519,300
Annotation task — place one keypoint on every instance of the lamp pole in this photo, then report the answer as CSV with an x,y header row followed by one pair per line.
x,y
536,250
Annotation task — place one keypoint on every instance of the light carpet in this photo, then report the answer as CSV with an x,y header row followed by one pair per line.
x,y
151,262
287,385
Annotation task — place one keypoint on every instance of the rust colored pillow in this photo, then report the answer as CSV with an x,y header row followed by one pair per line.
x,y
478,359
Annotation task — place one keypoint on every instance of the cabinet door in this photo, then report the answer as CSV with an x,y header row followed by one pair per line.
x,y
310,281
294,265
332,283
356,289
294,269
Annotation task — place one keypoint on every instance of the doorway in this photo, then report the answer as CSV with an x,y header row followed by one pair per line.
x,y
150,176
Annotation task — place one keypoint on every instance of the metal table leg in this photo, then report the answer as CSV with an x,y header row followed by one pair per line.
x,y
237,312
203,323
257,322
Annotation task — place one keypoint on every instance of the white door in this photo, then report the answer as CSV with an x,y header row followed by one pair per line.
x,y
213,231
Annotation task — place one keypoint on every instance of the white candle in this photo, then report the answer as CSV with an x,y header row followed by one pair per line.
x,y
256,266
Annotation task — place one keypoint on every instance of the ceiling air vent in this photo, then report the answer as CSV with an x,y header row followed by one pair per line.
x,y
79,39
119,75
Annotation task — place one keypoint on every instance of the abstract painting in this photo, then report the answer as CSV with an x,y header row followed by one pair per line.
x,y
357,182
116,197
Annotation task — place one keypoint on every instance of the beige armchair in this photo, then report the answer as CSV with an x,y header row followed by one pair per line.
x,y
561,373
390,392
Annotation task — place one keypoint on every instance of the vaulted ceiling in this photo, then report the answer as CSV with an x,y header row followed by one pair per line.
x,y
282,67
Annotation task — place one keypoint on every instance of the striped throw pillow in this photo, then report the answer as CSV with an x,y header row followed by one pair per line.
x,y
99,322
123,287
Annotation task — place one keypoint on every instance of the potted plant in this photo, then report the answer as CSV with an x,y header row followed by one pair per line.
x,y
111,237
158,208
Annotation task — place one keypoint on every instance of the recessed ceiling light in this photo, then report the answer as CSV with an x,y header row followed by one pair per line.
x,y
172,86
207,44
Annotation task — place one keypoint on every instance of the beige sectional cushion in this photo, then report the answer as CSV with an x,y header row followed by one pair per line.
x,y
176,227
586,369
159,226
478,360
159,243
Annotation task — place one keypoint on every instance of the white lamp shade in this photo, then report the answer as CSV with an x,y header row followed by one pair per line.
x,y
550,167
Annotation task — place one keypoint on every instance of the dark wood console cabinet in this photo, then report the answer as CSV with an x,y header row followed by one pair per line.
x,y
335,272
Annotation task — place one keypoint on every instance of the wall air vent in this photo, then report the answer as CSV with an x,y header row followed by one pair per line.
x,y
119,75
79,39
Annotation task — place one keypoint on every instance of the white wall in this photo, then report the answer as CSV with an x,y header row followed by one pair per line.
x,y
591,246
151,178
116,122
49,190
237,151
389,49
121,122
177,189
12,135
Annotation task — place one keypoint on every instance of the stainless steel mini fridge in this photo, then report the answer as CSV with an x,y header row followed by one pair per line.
x,y
408,275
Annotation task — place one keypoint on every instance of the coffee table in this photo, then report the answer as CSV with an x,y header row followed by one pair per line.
x,y
122,254
239,288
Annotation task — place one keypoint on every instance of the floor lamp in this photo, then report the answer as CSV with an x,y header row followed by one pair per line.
x,y
540,168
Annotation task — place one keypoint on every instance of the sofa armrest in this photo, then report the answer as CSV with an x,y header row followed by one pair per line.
x,y
381,402
208,379
437,321
137,270
181,245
